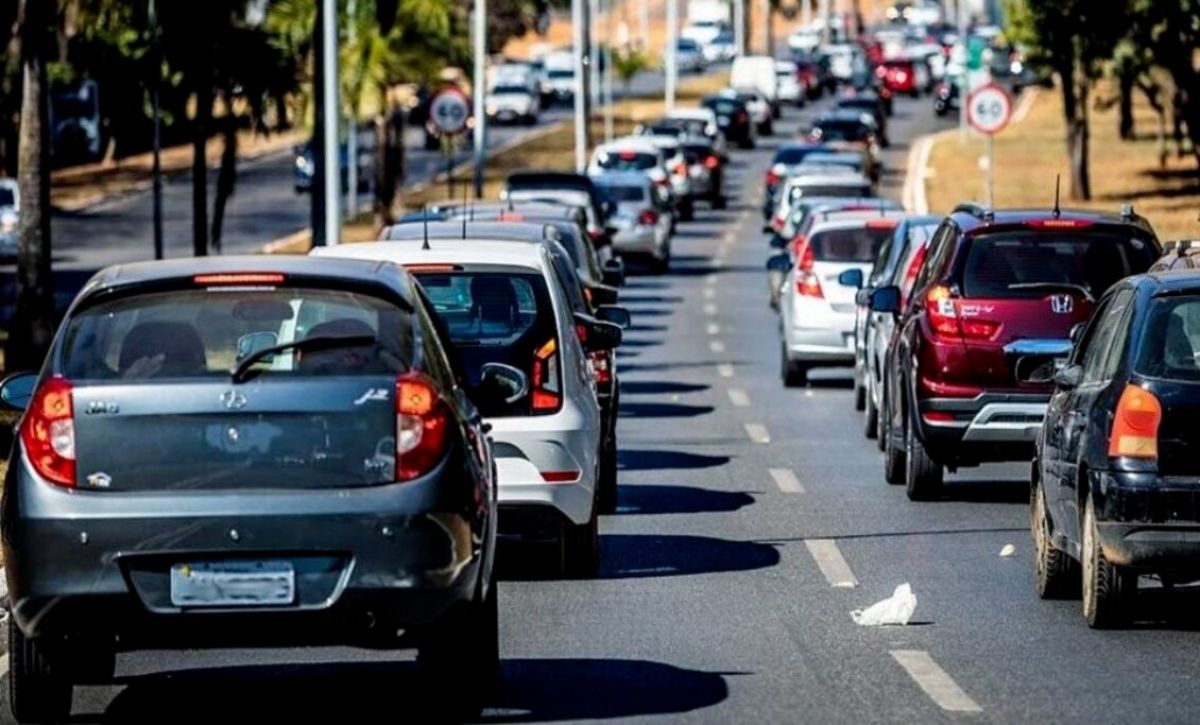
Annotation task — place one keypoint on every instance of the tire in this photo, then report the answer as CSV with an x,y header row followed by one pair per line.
x,y
461,653
38,692
719,202
1055,573
1109,591
860,394
660,266
870,413
688,211
881,419
922,475
608,474
893,458
581,547
794,374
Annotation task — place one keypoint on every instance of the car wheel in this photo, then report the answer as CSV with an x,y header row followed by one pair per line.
x,y
922,474
1109,591
870,412
860,393
581,547
38,691
719,202
794,374
461,653
688,211
608,474
1055,573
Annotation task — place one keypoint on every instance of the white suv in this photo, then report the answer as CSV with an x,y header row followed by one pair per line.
x,y
502,302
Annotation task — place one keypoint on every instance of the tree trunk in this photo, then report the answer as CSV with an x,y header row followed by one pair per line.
x,y
389,160
226,176
1075,115
1125,104
1152,93
32,328
204,103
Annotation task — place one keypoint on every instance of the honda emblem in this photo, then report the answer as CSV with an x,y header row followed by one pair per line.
x,y
233,400
1062,304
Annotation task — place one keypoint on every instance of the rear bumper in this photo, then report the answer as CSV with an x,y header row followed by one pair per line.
x,y
530,450
636,240
988,427
1150,522
817,334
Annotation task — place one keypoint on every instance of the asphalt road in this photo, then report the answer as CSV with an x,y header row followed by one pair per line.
x,y
741,504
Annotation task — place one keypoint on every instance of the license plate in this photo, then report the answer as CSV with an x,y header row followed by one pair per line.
x,y
233,584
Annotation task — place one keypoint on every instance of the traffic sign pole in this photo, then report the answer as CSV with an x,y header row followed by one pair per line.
x,y
988,110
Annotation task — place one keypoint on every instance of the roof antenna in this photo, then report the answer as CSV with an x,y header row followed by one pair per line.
x,y
1057,182
425,223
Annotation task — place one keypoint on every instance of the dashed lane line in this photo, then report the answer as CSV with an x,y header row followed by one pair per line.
x,y
758,433
725,370
713,328
936,683
709,293
786,480
831,563
710,309
739,397
716,346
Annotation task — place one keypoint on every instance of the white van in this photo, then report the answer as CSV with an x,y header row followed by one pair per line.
x,y
757,72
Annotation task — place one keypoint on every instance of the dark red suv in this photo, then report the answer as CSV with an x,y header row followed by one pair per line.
x,y
989,321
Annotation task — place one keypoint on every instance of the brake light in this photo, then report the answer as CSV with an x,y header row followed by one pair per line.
x,y
807,284
628,155
547,388
424,268
742,117
600,367
775,175
946,318
680,169
421,422
251,278
1135,425
881,224
595,235
48,432
561,476
711,162
1059,223
798,245
511,216
938,416
648,218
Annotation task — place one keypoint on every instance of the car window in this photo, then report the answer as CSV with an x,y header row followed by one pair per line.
x,y
1170,340
7,197
1107,323
1018,264
885,251
859,244
620,192
939,247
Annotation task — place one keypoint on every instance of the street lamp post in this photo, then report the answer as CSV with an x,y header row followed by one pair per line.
x,y
352,121
581,120
327,179
480,92
669,55
739,26
155,81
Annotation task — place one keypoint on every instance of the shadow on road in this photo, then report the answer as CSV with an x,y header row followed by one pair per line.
x,y
531,690
986,491
654,499
634,460
636,556
663,410
659,387
650,299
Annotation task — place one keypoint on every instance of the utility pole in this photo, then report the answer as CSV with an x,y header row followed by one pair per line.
x,y
644,24
580,101
768,45
827,22
327,191
593,55
352,121
739,26
672,65
608,72
155,82
963,79
480,92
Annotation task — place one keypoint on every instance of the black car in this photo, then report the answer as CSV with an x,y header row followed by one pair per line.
x,y
733,118
245,452
872,104
1116,473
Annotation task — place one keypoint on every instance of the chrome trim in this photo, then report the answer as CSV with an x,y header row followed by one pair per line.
x,y
986,428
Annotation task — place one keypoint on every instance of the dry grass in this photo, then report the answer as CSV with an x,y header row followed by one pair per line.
x,y
1029,154
555,150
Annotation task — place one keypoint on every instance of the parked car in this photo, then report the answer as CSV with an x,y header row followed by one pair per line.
x,y
816,312
504,303
790,88
318,476
10,211
1114,477
733,118
642,219
988,321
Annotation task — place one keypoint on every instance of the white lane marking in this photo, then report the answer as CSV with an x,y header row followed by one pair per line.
x,y
739,397
758,433
709,293
710,278
710,308
808,393
725,370
716,346
931,678
913,193
831,562
786,480
713,328
730,235
1025,105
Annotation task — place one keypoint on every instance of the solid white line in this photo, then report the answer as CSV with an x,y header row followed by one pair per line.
x,y
716,346
713,328
940,687
758,433
831,562
786,480
739,397
710,308
725,370
729,235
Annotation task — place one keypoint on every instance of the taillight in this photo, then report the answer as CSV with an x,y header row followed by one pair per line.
x,y
48,432
600,367
596,234
742,117
421,422
648,218
807,284
1135,425
680,169
711,163
946,320
772,178
546,381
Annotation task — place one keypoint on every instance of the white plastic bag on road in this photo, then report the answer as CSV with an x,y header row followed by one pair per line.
x,y
896,609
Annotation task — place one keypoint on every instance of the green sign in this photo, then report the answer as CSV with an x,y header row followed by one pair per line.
x,y
975,48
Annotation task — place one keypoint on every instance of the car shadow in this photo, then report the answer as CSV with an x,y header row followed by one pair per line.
x,y
650,299
660,387
664,460
530,690
663,410
986,491
655,499
645,328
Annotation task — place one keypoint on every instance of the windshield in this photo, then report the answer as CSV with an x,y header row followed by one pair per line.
x,y
849,245
843,190
7,197
792,156
724,107
1170,346
199,333
560,73
1030,264
522,90
841,130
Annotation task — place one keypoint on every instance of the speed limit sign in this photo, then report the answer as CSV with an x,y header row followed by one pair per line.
x,y
989,108
449,110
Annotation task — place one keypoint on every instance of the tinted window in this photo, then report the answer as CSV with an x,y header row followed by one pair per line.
x,y
724,107
1106,326
792,156
841,130
560,73
1171,339
1024,264
849,245
624,193
7,198
844,190
522,90
200,333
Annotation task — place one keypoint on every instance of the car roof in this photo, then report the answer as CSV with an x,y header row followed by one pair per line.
x,y
499,252
623,178
837,178
854,219
970,217
1171,280
457,229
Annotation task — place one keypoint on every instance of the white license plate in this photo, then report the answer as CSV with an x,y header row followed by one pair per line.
x,y
233,584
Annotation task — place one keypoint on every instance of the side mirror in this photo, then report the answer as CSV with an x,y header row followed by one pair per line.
x,y
501,384
851,278
1069,377
777,242
607,208
602,294
886,299
779,263
863,296
618,316
251,343
598,335
1077,332
768,229
614,272
17,390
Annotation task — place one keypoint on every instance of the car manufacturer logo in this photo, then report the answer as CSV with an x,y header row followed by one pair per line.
x,y
1062,304
233,400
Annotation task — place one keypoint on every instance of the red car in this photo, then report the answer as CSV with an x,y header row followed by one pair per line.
x,y
989,320
900,76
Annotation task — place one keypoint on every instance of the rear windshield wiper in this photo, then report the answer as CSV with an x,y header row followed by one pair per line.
x,y
1055,285
308,344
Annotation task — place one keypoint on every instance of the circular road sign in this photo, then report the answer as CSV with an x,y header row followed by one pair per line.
x,y
989,107
449,110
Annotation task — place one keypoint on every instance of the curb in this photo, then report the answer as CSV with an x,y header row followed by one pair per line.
x,y
917,170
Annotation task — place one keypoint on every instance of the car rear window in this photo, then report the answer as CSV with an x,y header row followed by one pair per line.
x,y
1025,264
201,333
849,245
624,193
792,156
841,130
843,190
724,107
560,73
522,90
7,198
627,161
1170,346
492,317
